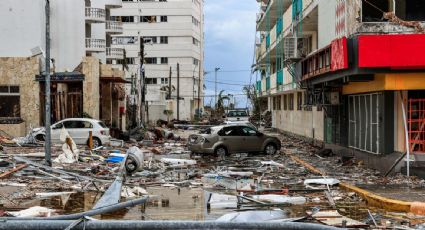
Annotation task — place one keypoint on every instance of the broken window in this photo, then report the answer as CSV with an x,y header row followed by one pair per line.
x,y
164,19
10,102
410,10
373,10
149,19
127,61
195,61
164,60
151,81
150,60
163,40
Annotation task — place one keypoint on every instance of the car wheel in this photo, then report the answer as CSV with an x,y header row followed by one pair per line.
x,y
270,149
40,137
96,142
220,152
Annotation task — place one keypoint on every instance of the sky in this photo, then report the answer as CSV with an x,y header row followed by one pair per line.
x,y
229,45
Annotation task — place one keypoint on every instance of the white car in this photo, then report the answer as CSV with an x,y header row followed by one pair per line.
x,y
78,129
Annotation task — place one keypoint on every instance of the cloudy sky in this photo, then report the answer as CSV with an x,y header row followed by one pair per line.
x,y
229,45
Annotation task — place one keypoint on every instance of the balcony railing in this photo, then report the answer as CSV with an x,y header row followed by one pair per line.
x,y
114,27
114,53
95,45
95,14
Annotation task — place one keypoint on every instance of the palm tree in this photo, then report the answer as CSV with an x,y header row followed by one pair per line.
x,y
219,106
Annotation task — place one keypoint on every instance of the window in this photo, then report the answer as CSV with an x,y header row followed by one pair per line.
x,y
248,131
195,61
163,40
285,102
10,101
128,61
127,18
164,18
195,41
299,101
195,21
229,131
151,81
150,60
291,101
164,60
149,40
124,40
162,0
149,19
164,80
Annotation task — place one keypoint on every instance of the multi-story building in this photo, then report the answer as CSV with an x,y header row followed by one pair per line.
x,y
341,71
82,82
172,33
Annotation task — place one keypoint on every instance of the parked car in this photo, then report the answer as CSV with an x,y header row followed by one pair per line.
x,y
78,129
235,138
237,115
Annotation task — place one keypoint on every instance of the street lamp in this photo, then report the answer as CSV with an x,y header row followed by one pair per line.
x,y
216,70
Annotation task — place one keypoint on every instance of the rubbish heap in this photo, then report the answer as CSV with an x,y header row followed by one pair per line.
x,y
155,172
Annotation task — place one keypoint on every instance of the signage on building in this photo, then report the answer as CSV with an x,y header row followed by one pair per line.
x,y
339,54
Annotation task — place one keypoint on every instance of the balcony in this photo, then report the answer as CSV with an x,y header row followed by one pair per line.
x,y
95,15
114,27
113,3
95,45
114,53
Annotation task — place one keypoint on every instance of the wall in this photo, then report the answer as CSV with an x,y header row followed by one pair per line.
x,y
22,71
299,122
326,23
23,23
91,71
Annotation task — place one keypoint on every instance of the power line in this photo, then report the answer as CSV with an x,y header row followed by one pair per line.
x,y
233,71
223,83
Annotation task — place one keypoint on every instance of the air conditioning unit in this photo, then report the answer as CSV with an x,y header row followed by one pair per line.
x,y
296,47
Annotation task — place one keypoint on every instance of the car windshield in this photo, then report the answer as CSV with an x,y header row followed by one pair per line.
x,y
102,124
237,114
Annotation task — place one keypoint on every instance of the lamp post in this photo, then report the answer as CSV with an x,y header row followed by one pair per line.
x,y
47,89
215,82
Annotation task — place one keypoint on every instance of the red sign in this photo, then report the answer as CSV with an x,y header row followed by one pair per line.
x,y
339,58
401,51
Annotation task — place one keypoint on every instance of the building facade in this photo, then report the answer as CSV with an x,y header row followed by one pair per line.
x,y
170,33
83,84
341,71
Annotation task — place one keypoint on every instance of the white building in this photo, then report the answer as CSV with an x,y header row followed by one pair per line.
x,y
172,31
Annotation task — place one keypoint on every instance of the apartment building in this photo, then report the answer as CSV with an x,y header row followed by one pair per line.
x,y
346,73
170,32
82,82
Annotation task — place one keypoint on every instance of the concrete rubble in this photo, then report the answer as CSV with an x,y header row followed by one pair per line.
x,y
156,169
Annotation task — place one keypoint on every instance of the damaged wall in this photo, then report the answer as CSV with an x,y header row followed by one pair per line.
x,y
91,71
20,71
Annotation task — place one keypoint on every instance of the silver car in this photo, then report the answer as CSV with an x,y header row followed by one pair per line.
x,y
235,138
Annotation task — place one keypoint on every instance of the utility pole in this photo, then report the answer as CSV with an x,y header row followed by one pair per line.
x,y
199,91
142,80
48,156
215,82
169,85
178,91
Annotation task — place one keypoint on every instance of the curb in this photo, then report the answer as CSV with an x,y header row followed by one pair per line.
x,y
372,198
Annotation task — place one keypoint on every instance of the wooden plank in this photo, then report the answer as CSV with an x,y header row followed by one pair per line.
x,y
10,172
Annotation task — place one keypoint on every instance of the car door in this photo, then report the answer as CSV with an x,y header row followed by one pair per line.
x,y
231,138
80,131
71,128
252,141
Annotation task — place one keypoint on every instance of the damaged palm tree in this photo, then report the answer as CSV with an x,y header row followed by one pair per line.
x,y
219,107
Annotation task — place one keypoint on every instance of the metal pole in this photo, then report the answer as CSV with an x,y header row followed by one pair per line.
x,y
169,84
406,132
199,90
215,86
178,91
142,80
47,88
